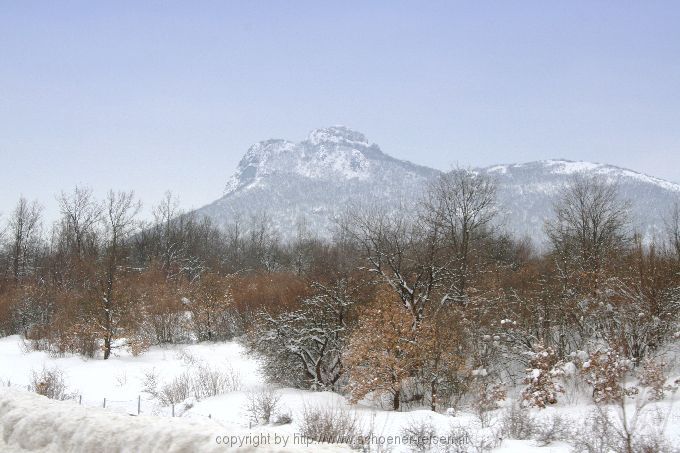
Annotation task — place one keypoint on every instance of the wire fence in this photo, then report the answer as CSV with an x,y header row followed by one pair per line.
x,y
141,405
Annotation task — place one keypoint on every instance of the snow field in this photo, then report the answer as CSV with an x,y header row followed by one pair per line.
x,y
29,422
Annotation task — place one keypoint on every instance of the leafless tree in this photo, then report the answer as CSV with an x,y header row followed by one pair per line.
x,y
401,252
80,213
120,210
589,224
673,230
167,223
24,227
460,206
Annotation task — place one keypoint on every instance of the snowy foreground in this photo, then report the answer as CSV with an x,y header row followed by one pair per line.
x,y
29,422
34,423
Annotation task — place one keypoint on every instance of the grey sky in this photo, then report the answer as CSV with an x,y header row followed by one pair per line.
x,y
168,95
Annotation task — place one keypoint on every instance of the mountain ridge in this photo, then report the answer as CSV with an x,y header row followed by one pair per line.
x,y
309,182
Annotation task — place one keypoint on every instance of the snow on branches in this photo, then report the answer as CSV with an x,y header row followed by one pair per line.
x,y
544,368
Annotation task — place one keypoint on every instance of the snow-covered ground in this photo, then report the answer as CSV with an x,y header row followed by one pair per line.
x,y
35,423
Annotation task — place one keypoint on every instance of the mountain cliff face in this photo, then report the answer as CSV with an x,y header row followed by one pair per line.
x,y
307,183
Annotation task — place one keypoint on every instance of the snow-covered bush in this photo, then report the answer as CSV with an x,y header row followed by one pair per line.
x,y
177,390
173,392
420,433
466,438
573,383
303,348
207,381
283,418
605,372
330,424
542,387
604,432
262,405
653,377
487,396
50,382
595,434
200,382
517,423
550,429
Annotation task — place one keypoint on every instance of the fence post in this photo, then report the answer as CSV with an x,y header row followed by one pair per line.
x,y
104,403
80,400
173,410
28,388
139,404
209,415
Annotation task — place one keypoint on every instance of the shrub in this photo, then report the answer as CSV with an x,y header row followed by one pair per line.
x,y
176,390
168,394
488,398
462,439
605,372
203,382
207,382
262,405
330,424
420,433
550,430
653,377
603,433
517,423
596,434
544,367
49,382
283,418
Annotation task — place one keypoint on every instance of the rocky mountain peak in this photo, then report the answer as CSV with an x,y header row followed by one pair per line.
x,y
337,135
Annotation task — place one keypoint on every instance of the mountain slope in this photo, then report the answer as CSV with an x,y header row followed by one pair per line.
x,y
526,193
307,183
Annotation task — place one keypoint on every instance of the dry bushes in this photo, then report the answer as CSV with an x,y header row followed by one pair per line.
x,y
50,382
199,383
262,405
330,424
544,368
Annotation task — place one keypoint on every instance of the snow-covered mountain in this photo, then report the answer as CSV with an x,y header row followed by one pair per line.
x,y
526,193
307,183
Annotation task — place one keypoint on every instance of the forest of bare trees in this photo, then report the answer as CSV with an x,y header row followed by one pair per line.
x,y
429,306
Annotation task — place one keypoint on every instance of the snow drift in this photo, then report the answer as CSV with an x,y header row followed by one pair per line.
x,y
30,422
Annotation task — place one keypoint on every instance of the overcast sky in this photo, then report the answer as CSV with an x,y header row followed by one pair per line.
x,y
169,95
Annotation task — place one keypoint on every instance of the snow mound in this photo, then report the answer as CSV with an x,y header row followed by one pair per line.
x,y
33,423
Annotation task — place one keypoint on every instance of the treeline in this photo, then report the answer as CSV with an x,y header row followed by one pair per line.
x,y
100,279
422,307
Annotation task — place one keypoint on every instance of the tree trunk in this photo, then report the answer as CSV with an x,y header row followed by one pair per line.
x,y
433,395
107,346
395,400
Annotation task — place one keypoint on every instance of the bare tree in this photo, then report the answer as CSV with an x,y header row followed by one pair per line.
x,y
120,210
401,252
673,230
461,206
24,230
589,225
80,213
166,215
